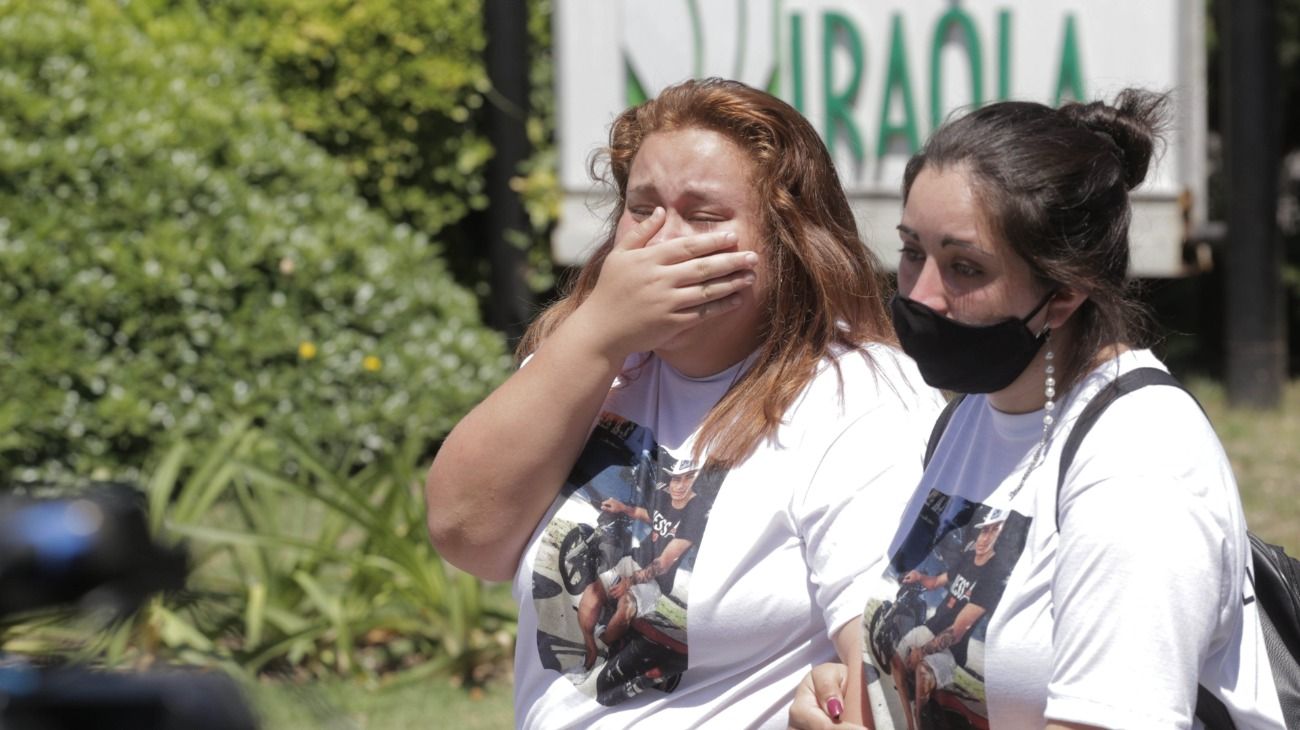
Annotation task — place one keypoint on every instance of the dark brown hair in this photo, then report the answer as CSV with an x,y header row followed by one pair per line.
x,y
824,287
1054,185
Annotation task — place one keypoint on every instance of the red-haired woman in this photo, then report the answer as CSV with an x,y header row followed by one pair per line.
x,y
734,319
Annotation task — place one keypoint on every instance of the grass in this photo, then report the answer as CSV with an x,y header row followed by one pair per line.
x,y
1264,447
343,705
1265,452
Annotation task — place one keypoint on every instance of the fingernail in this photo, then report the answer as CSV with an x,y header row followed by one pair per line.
x,y
729,236
751,257
835,708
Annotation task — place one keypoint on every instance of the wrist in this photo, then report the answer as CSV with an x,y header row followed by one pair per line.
x,y
584,332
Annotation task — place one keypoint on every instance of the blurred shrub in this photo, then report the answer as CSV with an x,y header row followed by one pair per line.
x,y
309,568
397,90
539,181
389,86
302,568
171,249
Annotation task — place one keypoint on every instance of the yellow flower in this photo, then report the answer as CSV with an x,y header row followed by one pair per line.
x,y
306,350
371,363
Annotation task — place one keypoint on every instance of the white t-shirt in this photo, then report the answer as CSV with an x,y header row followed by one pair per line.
x,y
776,547
1112,620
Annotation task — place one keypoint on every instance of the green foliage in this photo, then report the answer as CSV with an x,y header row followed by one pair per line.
x,y
321,570
539,183
397,89
171,250
389,86
302,568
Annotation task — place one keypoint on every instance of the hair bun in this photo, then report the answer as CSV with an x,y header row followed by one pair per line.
x,y
1132,124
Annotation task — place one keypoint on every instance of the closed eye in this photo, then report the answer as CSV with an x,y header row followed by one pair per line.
x,y
911,254
966,269
708,215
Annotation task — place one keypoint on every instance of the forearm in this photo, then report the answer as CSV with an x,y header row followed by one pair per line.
x,y
654,569
945,639
666,560
961,624
501,467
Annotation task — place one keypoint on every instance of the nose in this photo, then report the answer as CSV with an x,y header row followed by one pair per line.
x,y
674,227
928,288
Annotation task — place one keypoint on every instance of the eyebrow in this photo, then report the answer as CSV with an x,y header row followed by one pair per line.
x,y
946,241
691,193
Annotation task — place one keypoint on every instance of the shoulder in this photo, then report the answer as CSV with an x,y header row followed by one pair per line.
x,y
1157,435
873,377
1150,420
863,396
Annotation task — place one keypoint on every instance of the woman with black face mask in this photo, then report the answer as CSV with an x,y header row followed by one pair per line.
x,y
1019,594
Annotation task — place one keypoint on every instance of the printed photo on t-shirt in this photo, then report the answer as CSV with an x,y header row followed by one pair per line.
x,y
925,646
612,576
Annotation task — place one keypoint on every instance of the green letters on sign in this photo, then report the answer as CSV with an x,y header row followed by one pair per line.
x,y
796,61
1070,78
839,106
1004,55
897,79
963,21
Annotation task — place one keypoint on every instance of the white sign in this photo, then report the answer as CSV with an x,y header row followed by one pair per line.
x,y
875,78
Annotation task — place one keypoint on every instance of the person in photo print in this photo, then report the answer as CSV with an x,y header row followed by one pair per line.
x,y
732,318
934,654
676,520
1128,601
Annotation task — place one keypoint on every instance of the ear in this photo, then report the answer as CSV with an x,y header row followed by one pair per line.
x,y
1065,302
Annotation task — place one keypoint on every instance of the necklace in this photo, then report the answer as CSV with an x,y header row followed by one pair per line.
x,y
1049,418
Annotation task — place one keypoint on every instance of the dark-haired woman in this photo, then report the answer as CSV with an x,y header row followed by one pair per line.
x,y
734,319
1123,583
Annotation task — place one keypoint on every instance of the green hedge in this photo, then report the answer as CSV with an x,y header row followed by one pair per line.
x,y
398,89
388,86
171,249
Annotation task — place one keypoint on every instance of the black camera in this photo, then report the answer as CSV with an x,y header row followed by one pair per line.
x,y
95,550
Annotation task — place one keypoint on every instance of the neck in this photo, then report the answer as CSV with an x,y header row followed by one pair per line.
x,y
694,357
1025,394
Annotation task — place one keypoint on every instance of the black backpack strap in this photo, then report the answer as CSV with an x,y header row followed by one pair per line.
x,y
940,425
1124,384
1211,711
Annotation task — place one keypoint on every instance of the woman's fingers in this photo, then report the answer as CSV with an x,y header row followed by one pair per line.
x,y
649,291
714,272
714,297
695,246
804,712
828,684
642,233
715,265
818,701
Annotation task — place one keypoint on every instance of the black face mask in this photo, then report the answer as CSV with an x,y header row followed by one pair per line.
x,y
965,358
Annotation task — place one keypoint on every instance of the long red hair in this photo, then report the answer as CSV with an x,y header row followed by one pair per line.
x,y
825,289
